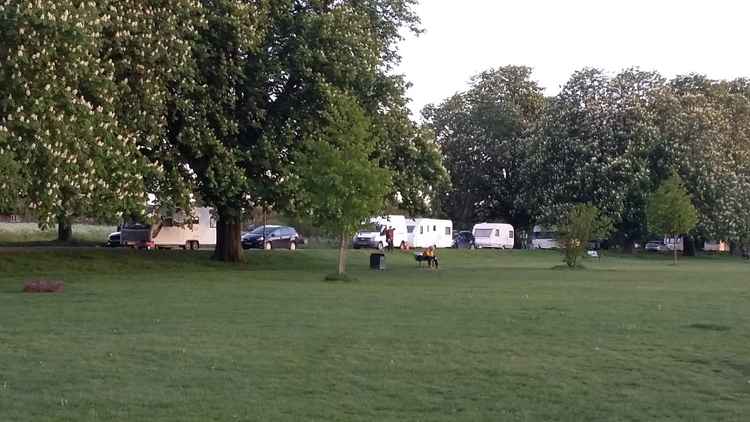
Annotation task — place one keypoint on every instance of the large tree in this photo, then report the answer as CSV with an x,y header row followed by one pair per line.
x,y
705,137
59,132
262,71
484,134
594,145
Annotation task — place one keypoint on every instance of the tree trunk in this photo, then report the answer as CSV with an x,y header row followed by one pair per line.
x,y
228,236
735,248
688,246
342,253
64,228
628,246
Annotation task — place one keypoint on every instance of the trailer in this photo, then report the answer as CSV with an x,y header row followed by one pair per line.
x,y
494,235
426,232
174,230
545,238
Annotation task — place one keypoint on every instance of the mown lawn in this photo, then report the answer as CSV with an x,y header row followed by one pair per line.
x,y
29,234
500,336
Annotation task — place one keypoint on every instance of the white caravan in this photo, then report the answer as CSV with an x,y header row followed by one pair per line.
x,y
716,246
493,235
545,238
673,243
173,231
426,232
373,234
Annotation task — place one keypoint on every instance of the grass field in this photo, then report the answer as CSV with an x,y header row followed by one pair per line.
x,y
496,336
15,234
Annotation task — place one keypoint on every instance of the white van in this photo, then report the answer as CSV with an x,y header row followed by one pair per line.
x,y
177,230
426,232
373,234
493,235
545,238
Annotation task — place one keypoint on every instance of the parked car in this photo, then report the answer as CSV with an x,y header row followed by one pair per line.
x,y
272,237
656,246
113,240
463,240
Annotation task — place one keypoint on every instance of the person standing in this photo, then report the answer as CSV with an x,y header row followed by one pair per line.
x,y
389,234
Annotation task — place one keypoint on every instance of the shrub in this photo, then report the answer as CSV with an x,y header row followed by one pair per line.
x,y
583,223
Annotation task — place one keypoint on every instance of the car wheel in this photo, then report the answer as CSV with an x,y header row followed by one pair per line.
x,y
293,246
267,246
380,246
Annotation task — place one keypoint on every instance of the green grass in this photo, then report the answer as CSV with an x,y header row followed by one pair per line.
x,y
29,234
490,336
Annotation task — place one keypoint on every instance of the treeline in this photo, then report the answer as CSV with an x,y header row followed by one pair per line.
x,y
236,104
609,141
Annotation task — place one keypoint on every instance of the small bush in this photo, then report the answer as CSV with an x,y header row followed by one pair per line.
x,y
340,277
43,287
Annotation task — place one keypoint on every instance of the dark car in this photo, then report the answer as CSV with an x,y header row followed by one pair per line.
x,y
113,241
463,240
272,237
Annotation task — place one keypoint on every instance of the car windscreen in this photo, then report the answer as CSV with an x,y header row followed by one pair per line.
x,y
136,226
482,232
263,230
371,228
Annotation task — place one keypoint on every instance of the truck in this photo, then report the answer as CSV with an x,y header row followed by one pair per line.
x,y
493,235
173,230
372,235
426,232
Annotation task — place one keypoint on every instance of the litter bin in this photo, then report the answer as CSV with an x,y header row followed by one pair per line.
x,y
377,261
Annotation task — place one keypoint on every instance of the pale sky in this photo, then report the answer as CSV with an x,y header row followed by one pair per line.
x,y
464,37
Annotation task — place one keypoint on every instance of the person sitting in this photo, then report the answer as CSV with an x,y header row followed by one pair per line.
x,y
431,257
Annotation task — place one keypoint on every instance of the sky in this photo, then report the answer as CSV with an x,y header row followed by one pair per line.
x,y
555,38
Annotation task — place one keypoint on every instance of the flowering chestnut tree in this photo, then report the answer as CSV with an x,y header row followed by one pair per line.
x,y
59,132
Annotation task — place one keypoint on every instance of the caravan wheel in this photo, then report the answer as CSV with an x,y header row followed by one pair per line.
x,y
194,245
267,246
293,246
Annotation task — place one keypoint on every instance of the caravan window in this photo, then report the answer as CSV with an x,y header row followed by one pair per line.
x,y
410,229
483,233
497,232
421,229
434,228
510,234
447,231
212,222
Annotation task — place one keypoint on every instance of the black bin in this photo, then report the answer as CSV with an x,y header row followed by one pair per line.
x,y
377,261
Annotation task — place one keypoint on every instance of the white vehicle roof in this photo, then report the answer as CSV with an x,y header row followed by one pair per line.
x,y
492,226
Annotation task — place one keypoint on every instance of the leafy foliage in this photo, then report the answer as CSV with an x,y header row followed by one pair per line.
x,y
670,210
59,132
583,223
484,137
339,186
